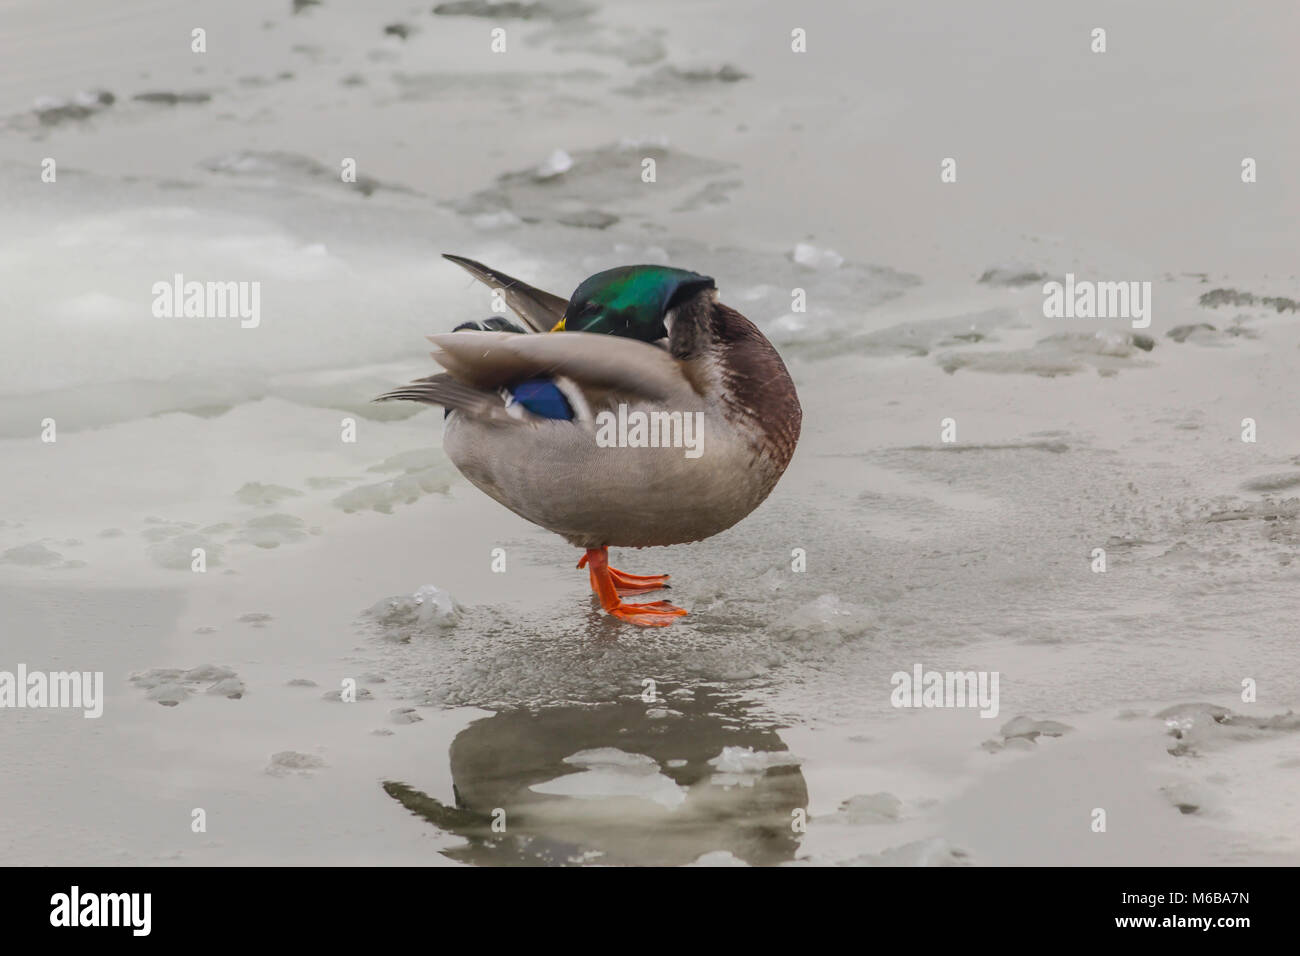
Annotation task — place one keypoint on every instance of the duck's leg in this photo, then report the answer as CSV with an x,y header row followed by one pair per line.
x,y
654,614
626,583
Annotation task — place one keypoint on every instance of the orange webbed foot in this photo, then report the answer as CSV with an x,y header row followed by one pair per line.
x,y
609,583
625,583
654,614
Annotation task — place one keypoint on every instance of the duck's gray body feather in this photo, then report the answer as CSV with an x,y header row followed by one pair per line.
x,y
554,474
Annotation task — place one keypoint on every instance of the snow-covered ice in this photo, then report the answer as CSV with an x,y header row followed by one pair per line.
x,y
220,503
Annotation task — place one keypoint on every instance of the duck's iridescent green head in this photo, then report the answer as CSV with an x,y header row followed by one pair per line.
x,y
630,301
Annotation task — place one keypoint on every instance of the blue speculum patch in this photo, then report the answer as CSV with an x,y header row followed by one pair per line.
x,y
541,397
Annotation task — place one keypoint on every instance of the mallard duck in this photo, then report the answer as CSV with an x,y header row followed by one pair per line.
x,y
639,412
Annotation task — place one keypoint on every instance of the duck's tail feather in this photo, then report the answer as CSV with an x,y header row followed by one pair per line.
x,y
538,308
442,389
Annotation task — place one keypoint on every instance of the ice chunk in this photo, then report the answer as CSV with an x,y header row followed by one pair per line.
x,y
826,618
404,715
747,760
612,757
823,260
1190,797
171,685
682,79
1120,344
156,676
609,772
169,695
51,110
1029,728
429,607
742,766
361,694
435,606
871,808
1194,331
231,687
557,164
1199,727
208,672
1013,275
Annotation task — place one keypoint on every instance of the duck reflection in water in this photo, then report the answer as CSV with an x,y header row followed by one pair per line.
x,y
626,783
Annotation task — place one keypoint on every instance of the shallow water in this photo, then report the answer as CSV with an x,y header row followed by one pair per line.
x,y
775,172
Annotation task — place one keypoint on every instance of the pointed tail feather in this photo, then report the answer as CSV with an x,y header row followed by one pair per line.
x,y
444,390
538,308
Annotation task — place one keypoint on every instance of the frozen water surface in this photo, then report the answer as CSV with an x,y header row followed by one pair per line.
x,y
504,718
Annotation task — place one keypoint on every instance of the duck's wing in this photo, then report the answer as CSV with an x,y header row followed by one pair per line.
x,y
540,310
488,360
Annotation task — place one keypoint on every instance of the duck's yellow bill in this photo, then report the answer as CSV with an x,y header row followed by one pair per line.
x,y
559,326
